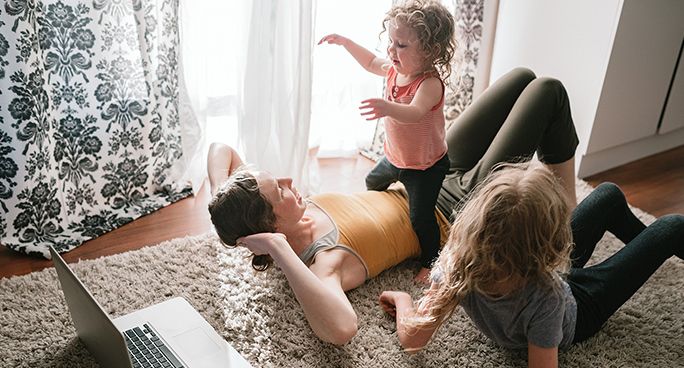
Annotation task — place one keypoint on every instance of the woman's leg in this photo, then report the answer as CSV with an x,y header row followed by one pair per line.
x,y
539,120
565,172
222,160
601,289
469,137
471,134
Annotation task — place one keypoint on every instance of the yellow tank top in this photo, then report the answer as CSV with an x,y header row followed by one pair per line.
x,y
376,225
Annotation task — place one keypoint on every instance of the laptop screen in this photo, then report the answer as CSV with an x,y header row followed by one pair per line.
x,y
93,325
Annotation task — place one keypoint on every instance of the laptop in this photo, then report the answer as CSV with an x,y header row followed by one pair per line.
x,y
170,334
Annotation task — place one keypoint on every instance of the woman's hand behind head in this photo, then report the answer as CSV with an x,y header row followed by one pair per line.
x,y
263,243
262,246
239,208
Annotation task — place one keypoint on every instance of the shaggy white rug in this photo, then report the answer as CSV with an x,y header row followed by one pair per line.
x,y
258,314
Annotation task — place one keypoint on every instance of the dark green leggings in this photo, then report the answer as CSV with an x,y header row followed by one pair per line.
x,y
515,117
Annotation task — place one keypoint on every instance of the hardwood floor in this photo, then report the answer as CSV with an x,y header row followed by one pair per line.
x,y
186,217
654,184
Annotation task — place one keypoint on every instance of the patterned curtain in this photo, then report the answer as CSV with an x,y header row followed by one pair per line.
x,y
459,94
90,135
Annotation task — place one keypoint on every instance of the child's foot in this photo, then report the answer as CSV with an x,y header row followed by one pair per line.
x,y
423,276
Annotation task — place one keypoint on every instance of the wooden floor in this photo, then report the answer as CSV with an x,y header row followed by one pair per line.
x,y
654,184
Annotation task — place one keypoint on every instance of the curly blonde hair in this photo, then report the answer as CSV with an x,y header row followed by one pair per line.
x,y
515,228
434,26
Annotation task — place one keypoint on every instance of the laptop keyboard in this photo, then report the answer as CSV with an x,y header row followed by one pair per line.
x,y
148,350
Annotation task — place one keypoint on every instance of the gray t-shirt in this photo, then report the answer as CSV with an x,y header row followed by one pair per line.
x,y
536,314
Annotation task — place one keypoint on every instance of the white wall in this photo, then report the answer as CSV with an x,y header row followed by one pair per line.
x,y
567,40
640,70
616,58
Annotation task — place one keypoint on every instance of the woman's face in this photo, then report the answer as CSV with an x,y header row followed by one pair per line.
x,y
287,204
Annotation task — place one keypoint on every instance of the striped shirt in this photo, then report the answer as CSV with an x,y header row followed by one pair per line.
x,y
413,145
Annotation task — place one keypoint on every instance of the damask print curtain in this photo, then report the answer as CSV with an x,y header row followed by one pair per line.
x,y
468,16
90,135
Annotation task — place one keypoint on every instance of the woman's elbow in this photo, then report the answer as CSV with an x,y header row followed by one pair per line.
x,y
344,335
341,332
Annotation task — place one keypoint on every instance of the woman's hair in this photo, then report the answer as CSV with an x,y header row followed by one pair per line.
x,y
434,26
239,209
516,226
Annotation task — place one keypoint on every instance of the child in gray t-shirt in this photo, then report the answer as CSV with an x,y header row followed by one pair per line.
x,y
506,255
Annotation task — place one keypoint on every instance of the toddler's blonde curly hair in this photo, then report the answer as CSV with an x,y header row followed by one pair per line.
x,y
434,26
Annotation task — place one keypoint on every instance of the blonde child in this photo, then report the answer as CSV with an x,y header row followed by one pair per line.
x,y
421,46
511,264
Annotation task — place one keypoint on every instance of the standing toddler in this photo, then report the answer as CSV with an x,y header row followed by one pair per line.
x,y
421,45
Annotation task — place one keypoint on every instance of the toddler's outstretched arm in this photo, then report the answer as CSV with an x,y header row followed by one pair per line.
x,y
363,56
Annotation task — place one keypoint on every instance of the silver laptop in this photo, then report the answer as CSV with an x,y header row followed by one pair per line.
x,y
168,334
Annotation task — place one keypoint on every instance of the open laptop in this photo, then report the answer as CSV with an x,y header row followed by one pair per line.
x,y
169,334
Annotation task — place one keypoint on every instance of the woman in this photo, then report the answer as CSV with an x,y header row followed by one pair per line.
x,y
333,242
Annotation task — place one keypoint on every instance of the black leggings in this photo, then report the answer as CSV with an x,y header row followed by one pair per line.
x,y
515,117
602,288
422,187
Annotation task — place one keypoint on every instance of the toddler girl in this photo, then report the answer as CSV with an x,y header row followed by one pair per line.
x,y
421,45
507,260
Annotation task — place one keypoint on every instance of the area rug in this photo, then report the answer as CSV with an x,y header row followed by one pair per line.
x,y
259,315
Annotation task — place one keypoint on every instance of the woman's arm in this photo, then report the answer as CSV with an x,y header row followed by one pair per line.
x,y
325,304
363,56
427,96
222,160
538,357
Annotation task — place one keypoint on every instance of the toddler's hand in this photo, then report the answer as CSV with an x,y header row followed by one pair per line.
x,y
375,108
334,39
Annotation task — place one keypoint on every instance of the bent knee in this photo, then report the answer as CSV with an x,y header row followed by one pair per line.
x,y
523,73
548,85
610,194
610,190
673,221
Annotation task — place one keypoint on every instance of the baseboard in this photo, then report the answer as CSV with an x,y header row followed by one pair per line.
x,y
596,162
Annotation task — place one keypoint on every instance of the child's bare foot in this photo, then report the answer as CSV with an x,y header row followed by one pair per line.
x,y
423,276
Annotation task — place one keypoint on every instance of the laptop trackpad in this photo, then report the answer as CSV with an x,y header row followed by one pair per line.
x,y
195,344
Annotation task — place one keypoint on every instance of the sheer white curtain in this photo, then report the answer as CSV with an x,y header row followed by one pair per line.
x,y
274,92
247,68
339,83
207,48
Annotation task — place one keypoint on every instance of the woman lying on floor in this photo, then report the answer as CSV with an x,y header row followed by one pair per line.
x,y
331,243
